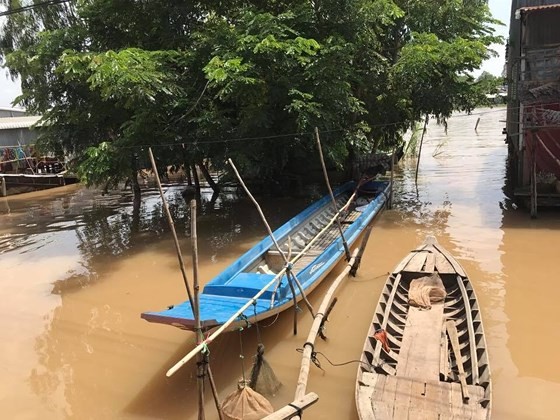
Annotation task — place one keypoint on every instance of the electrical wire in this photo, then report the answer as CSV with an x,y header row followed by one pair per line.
x,y
33,7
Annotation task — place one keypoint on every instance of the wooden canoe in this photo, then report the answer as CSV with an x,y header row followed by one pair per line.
x,y
434,364
259,267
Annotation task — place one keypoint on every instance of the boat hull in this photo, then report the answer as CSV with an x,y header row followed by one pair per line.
x,y
239,283
425,359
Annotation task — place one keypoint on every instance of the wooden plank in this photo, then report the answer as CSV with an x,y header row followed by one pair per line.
x,y
437,399
418,403
455,264
444,357
388,394
454,338
430,262
382,411
456,398
443,266
416,262
402,398
420,351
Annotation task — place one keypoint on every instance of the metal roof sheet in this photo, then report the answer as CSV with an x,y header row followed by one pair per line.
x,y
10,123
530,9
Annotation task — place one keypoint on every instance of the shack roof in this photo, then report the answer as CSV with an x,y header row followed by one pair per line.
x,y
10,123
531,9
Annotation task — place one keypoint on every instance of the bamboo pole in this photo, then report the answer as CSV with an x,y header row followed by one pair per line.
x,y
214,391
420,149
196,310
294,408
269,230
172,226
326,175
309,344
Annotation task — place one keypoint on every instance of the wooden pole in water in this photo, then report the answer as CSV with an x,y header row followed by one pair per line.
x,y
3,190
309,344
534,182
390,203
196,310
172,226
214,391
326,175
255,202
420,148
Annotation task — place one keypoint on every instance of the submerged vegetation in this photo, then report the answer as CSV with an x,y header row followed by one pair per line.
x,y
204,81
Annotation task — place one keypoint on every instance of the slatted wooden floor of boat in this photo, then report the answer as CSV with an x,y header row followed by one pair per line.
x,y
416,392
400,398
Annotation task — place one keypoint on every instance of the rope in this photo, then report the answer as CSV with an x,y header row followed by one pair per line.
x,y
299,411
317,362
242,357
257,324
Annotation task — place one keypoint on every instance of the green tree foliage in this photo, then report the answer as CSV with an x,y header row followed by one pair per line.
x,y
111,77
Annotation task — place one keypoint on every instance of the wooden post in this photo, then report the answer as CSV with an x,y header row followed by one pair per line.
x,y
534,183
201,370
3,191
172,226
214,391
390,203
326,175
420,149
476,126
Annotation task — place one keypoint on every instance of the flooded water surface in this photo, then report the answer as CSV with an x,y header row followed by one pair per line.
x,y
77,268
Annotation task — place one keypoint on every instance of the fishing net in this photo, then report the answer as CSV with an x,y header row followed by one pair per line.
x,y
262,379
245,404
426,290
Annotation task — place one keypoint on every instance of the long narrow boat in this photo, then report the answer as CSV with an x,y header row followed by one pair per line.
x,y
227,293
425,354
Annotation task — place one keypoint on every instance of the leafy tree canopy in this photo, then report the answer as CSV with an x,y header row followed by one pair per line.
x,y
111,77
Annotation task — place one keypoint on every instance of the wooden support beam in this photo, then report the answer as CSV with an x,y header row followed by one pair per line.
x,y
454,338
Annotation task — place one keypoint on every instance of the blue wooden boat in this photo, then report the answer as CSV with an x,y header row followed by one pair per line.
x,y
257,269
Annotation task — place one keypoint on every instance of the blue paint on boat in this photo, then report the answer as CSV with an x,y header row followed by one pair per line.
x,y
235,286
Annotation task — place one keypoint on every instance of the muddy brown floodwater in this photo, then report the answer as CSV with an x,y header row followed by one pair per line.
x,y
77,269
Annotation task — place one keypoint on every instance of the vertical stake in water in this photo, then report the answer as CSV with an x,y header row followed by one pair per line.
x,y
390,203
3,191
172,227
346,250
420,149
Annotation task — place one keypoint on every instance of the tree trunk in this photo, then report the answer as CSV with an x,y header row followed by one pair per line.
x,y
134,180
208,177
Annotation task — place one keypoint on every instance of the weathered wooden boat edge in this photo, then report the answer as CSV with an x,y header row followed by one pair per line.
x,y
363,396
